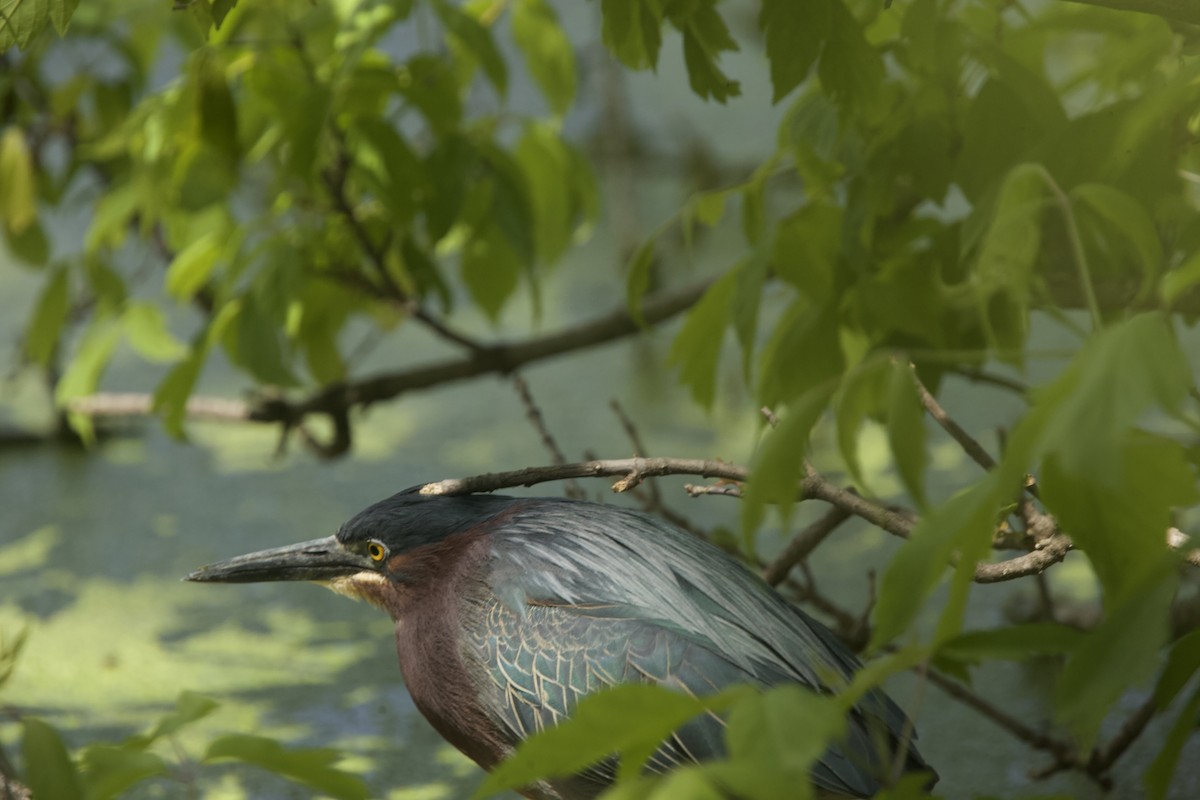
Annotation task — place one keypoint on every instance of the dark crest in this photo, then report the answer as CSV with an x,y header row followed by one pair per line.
x,y
408,520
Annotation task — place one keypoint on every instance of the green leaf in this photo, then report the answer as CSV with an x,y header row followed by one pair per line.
x,y
511,208
1182,664
1119,212
391,169
110,770
958,525
862,395
851,70
476,40
30,245
145,328
1002,278
85,369
491,270
633,719
776,737
632,30
49,771
709,207
698,345
61,12
637,280
110,221
18,191
428,84
806,250
253,343
1157,778
705,37
10,650
1120,516
805,334
107,284
1012,643
1122,651
216,109
1082,415
193,266
747,294
779,463
309,767
794,34
220,10
41,337
1181,280
753,203
547,164
189,707
689,782
906,431
170,397
1000,130
548,53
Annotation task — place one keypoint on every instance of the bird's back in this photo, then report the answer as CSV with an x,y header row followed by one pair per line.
x,y
583,596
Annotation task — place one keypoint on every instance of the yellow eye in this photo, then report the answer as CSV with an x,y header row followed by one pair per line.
x,y
376,551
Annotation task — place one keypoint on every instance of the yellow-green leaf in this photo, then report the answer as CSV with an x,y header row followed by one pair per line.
x,y
548,53
41,337
18,193
49,771
146,330
193,266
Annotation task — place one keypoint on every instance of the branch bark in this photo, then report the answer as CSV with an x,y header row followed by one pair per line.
x,y
494,359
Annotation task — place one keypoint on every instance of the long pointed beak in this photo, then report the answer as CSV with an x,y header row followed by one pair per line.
x,y
316,560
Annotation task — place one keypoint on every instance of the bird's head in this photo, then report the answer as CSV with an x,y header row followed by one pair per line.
x,y
384,548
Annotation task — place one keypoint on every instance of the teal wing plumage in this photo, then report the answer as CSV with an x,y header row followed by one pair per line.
x,y
540,663
621,597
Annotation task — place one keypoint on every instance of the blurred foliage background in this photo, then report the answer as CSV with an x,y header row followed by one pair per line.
x,y
313,243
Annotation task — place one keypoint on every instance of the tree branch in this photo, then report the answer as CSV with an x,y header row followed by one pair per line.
x,y
894,521
631,471
498,358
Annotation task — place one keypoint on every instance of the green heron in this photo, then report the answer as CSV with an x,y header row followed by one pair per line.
x,y
509,610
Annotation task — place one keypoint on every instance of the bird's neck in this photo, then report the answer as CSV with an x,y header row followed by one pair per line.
x,y
430,625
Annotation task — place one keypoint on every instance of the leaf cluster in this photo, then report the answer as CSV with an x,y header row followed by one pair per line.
x,y
947,175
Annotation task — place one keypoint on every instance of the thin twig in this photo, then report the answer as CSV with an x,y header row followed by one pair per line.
x,y
336,180
815,486
1052,551
804,543
639,449
718,489
626,468
1060,748
991,378
1104,757
967,442
1078,254
534,414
